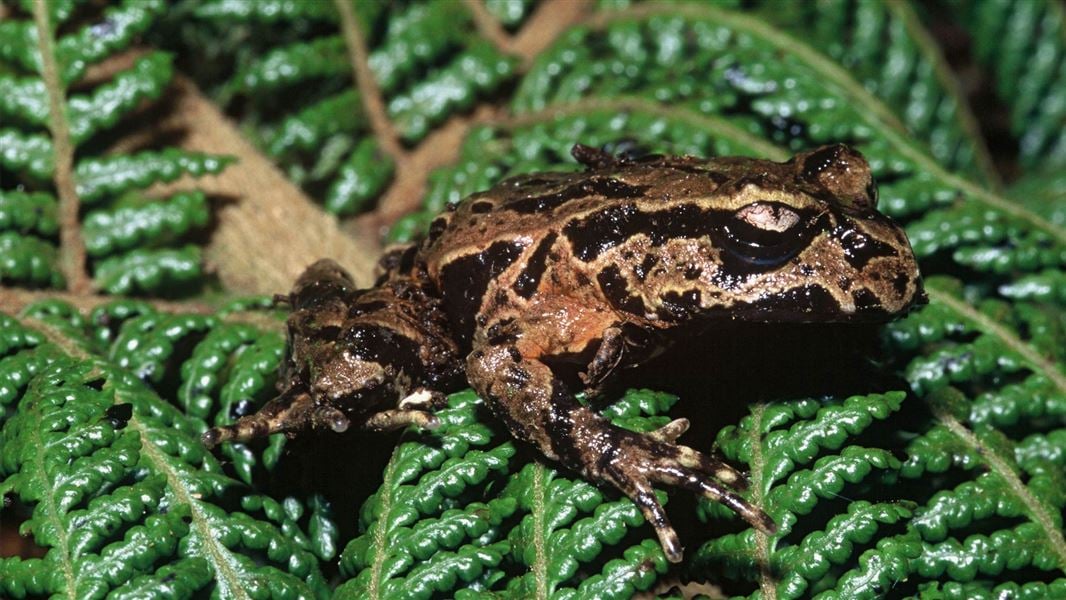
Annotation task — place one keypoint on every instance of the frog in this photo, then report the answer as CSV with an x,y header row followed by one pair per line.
x,y
598,270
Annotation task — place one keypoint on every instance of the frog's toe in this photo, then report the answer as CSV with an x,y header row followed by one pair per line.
x,y
398,418
709,465
640,491
669,433
715,491
655,462
423,399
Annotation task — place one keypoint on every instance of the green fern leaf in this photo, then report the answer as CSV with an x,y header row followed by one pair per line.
x,y
145,80
322,138
141,223
92,468
83,116
167,271
28,260
28,213
31,153
943,477
268,11
1022,43
98,178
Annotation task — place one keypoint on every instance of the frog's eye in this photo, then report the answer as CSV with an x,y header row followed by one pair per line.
x,y
771,217
765,232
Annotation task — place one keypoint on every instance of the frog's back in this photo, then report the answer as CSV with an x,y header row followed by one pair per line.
x,y
530,206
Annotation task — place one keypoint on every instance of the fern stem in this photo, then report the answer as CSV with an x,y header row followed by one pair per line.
x,y
219,556
55,337
48,499
72,248
931,51
619,104
540,560
1037,511
983,322
381,537
366,85
15,299
548,21
489,27
762,541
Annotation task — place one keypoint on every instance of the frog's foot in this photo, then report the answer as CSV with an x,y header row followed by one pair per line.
x,y
539,409
296,410
637,463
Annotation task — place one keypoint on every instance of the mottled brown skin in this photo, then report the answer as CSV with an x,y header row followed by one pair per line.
x,y
352,354
603,269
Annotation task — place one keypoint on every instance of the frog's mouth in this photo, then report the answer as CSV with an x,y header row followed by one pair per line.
x,y
810,303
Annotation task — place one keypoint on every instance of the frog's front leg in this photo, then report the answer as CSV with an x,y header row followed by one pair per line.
x,y
376,359
296,410
539,409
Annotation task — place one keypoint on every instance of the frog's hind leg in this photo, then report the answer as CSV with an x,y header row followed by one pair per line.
x,y
538,408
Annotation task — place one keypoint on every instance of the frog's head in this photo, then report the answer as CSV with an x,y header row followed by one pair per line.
x,y
812,246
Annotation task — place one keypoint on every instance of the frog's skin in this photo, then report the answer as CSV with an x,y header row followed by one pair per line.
x,y
603,268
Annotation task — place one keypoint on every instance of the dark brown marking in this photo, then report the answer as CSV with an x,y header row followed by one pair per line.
x,y
517,377
526,283
501,333
374,343
436,228
818,161
899,283
867,303
678,306
810,303
616,290
464,281
602,230
859,248
606,187
481,207
645,266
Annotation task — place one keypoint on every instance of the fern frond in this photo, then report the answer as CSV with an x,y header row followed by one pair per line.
x,y
144,223
117,489
361,178
98,178
165,271
477,69
33,213
1022,43
42,161
424,60
117,478
885,47
266,10
28,260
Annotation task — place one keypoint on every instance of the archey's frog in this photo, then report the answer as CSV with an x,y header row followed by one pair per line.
x,y
603,268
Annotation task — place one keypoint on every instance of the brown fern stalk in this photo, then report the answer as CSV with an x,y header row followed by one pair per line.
x,y
367,86
72,248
